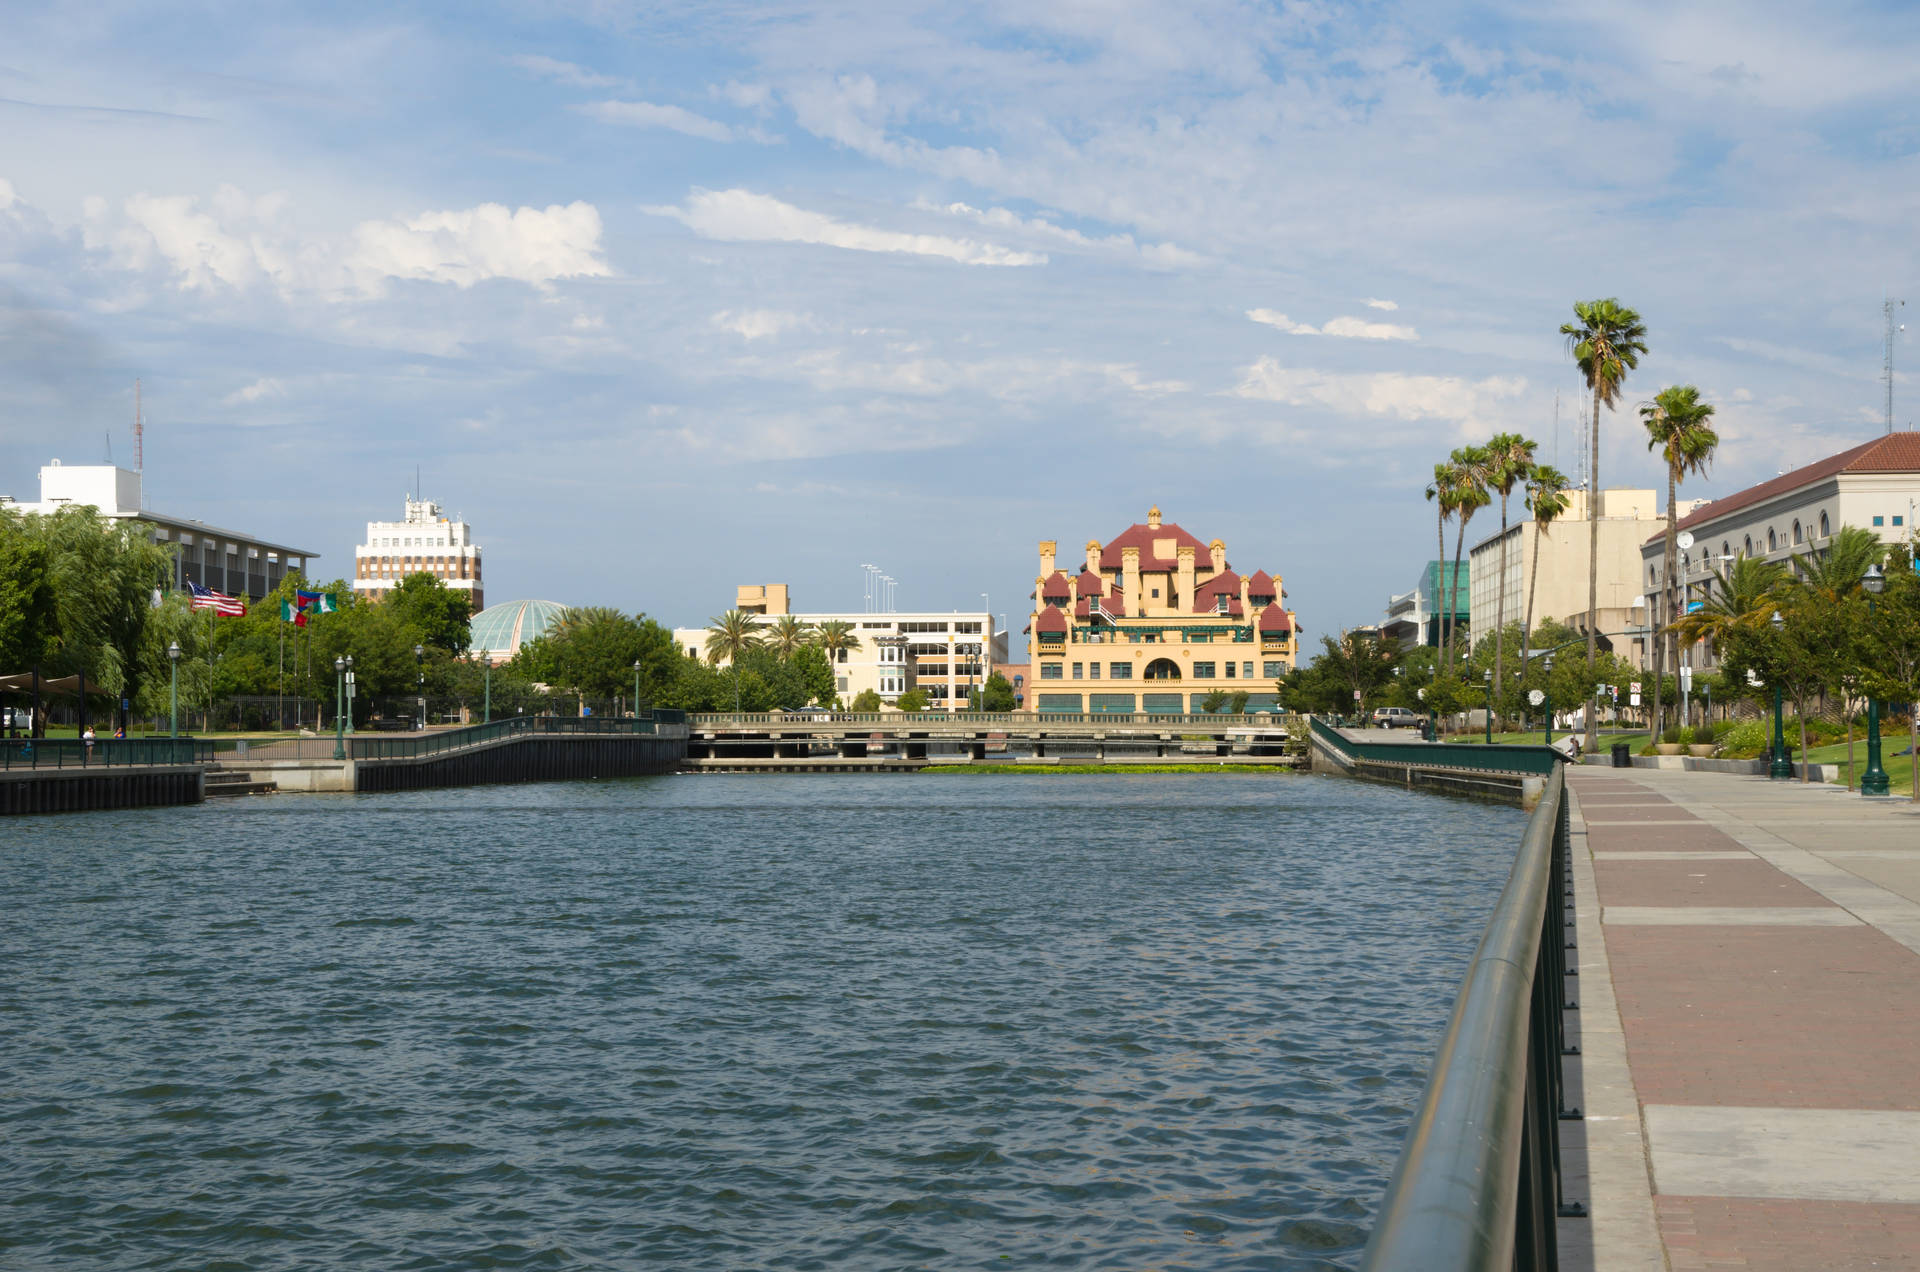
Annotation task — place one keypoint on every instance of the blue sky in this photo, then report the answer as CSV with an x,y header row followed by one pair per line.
x,y
668,299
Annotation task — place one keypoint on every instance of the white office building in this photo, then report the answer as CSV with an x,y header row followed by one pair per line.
x,y
425,542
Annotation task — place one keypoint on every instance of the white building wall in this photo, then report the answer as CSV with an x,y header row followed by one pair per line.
x,y
890,673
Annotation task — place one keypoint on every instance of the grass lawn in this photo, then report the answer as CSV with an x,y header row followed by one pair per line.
x,y
1537,737
1893,758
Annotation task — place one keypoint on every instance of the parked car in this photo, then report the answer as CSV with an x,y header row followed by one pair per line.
x,y
1395,718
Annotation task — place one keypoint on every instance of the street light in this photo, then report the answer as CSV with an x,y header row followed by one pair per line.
x,y
349,694
1781,768
173,689
1546,695
1487,676
636,688
339,708
1874,780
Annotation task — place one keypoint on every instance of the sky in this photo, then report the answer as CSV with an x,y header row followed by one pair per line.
x,y
665,299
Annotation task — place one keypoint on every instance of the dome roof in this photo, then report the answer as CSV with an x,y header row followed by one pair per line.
x,y
499,631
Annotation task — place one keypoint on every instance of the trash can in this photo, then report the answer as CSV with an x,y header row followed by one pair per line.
x,y
1622,755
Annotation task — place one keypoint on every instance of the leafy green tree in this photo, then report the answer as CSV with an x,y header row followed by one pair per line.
x,y
1214,702
786,634
911,700
1471,465
997,695
1606,340
730,636
1890,652
865,700
1361,665
103,575
29,612
1237,702
836,638
443,614
815,673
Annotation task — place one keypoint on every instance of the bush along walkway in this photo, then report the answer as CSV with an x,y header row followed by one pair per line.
x,y
1750,985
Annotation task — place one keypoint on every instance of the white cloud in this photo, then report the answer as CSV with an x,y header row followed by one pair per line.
x,y
7,197
241,242
743,216
650,115
747,96
563,72
1382,304
756,324
259,391
1158,255
1344,327
1390,393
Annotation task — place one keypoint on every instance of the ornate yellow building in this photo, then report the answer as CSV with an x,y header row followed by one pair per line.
x,y
1155,621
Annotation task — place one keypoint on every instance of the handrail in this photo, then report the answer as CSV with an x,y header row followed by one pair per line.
x,y
405,748
1501,757
1478,1185
1274,720
63,753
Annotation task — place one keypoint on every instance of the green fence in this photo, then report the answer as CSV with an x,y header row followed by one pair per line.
x,y
415,746
56,753
1501,757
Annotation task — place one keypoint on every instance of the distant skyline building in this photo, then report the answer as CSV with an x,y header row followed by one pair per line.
x,y
944,655
425,542
224,560
1155,621
1416,617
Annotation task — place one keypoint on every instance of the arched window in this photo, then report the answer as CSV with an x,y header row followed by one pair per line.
x,y
1824,532
1748,550
1725,550
1797,540
1653,576
1773,540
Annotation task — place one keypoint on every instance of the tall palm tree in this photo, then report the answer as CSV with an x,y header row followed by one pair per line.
x,y
1743,597
1470,495
1444,493
787,634
1679,427
834,636
1509,460
1606,341
730,636
1546,500
1834,573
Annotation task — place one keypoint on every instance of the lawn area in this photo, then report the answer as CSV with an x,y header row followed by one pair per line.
x,y
1536,737
1893,756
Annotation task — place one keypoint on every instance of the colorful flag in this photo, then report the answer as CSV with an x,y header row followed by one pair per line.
x,y
317,602
289,614
218,602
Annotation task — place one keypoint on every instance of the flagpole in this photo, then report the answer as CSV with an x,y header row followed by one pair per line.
x,y
280,718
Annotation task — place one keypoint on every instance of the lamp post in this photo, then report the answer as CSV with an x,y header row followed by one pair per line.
x,y
173,689
420,683
636,688
349,695
1781,768
1487,676
1874,780
1546,696
339,708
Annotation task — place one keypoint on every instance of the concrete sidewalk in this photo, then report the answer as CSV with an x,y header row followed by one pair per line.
x,y
1749,1024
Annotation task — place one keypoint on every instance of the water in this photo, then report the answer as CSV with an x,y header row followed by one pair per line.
x,y
729,1022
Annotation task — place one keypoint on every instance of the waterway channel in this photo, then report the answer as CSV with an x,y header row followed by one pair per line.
x,y
716,1021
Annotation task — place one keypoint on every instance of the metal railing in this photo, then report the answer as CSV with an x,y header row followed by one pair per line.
x,y
1501,757
1274,720
57,753
1478,1185
416,745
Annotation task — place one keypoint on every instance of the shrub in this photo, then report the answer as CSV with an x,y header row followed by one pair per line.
x,y
1670,736
1684,735
1750,738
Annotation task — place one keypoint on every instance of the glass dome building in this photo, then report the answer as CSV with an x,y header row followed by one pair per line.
x,y
499,631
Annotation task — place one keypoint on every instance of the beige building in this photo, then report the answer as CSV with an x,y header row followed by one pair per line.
x,y
1155,621
1626,518
945,656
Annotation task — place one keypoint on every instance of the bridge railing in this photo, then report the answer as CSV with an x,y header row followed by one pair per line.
x,y
1478,1184
1272,721
57,753
1501,757
418,745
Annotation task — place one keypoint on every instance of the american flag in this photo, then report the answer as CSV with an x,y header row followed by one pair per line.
x,y
218,602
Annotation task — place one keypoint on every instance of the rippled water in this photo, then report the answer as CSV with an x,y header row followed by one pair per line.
x,y
729,1022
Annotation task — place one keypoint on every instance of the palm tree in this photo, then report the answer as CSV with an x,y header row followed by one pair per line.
x,y
1678,427
1835,572
730,636
1470,495
1741,598
1509,460
834,636
1606,342
787,634
1546,500
1446,481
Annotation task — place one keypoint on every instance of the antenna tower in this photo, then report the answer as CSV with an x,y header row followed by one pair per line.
x,y
139,433
1888,306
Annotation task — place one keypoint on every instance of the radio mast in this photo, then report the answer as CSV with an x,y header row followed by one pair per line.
x,y
139,433
1888,306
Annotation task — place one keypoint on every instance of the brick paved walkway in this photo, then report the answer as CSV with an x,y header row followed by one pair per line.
x,y
1750,1024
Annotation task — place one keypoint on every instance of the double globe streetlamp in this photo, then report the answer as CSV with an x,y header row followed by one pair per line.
x,y
1781,768
340,666
173,689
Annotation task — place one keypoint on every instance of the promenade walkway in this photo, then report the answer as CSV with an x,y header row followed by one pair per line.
x,y
1749,957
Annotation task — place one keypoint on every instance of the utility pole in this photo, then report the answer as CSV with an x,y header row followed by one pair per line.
x,y
1888,306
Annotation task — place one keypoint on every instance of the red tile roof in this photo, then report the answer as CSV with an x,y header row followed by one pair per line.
x,y
1893,453
1056,585
1275,619
1260,583
1142,536
1050,620
1225,583
1091,584
1113,604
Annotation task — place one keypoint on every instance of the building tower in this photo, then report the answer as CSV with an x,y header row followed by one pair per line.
x,y
425,542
